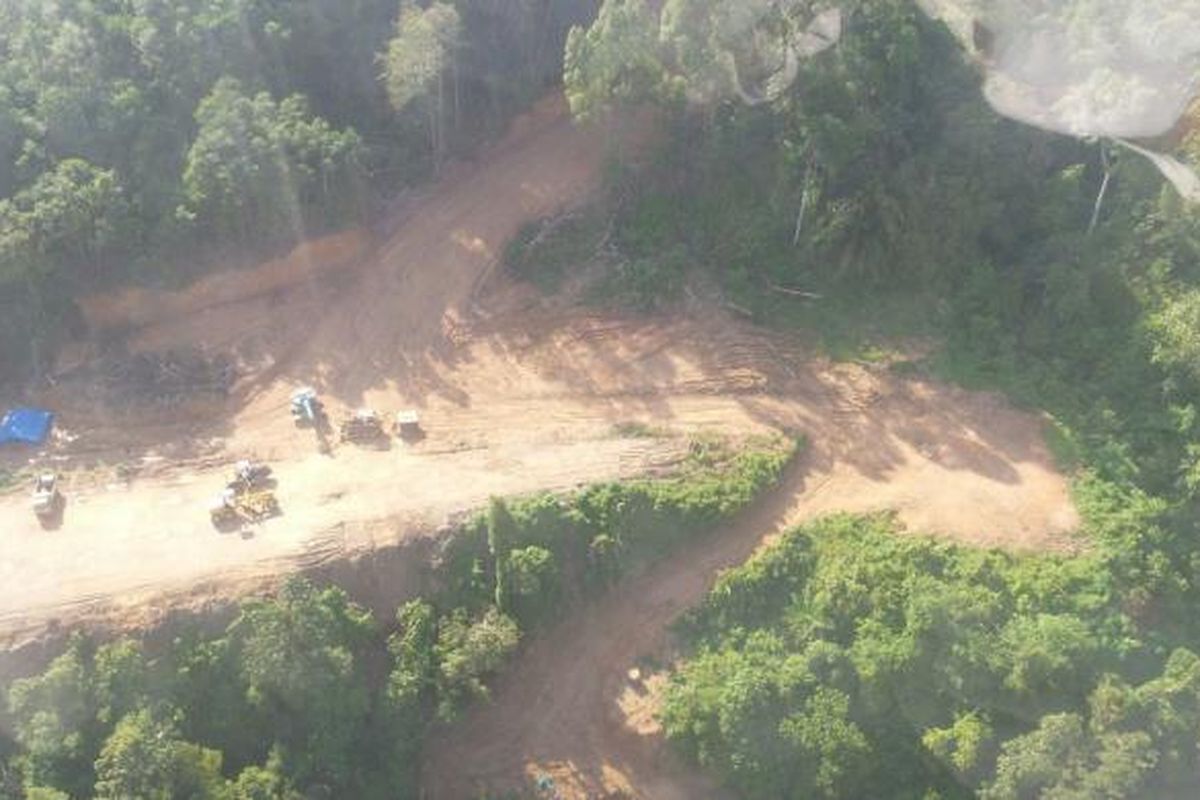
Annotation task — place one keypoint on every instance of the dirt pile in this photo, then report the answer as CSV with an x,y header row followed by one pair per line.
x,y
134,308
159,380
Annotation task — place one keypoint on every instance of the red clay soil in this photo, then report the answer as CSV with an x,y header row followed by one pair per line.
x,y
309,261
514,397
578,705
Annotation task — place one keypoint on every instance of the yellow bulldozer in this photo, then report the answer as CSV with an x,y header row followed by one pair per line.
x,y
233,507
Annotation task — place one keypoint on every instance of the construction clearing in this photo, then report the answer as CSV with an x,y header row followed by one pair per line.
x,y
500,392
156,380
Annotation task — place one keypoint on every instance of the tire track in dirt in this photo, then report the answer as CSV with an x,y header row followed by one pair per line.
x,y
575,705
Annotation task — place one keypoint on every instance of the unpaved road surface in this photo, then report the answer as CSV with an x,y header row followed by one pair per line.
x,y
139,481
578,704
516,395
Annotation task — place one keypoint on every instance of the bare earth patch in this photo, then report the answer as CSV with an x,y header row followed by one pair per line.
x,y
579,703
514,397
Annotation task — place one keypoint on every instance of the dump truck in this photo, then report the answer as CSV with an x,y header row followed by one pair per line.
x,y
363,425
306,407
47,500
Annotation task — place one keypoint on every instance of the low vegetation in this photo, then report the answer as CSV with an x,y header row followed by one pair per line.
x,y
604,532
544,252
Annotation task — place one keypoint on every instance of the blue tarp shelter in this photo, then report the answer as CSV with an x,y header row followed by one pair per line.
x,y
26,426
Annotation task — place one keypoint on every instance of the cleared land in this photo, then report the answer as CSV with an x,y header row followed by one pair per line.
x,y
516,396
579,703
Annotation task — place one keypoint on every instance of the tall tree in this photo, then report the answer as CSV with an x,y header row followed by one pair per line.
x,y
502,534
52,715
417,60
258,166
616,59
300,662
145,759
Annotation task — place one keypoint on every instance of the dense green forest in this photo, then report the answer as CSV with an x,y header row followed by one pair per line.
x,y
923,212
306,695
849,661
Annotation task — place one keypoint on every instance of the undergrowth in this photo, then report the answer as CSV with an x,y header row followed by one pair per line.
x,y
546,251
605,531
630,270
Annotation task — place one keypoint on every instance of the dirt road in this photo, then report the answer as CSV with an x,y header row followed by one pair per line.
x,y
533,403
516,395
947,461
139,483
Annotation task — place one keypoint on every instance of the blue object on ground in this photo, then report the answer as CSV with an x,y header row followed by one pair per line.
x,y
26,426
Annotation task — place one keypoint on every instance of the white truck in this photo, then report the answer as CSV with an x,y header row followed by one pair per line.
x,y
46,498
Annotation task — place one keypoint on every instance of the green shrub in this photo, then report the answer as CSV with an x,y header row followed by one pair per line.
x,y
642,284
468,651
850,661
607,529
535,584
545,252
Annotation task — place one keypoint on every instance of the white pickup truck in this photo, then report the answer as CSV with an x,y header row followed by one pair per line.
x,y
46,497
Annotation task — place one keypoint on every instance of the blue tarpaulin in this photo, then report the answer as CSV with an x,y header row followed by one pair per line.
x,y
26,425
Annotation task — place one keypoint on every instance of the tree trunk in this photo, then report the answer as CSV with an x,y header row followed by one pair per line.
x,y
433,135
1103,191
457,98
441,117
803,209
35,315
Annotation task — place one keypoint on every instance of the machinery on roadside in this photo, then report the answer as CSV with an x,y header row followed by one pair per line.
x,y
363,426
247,498
307,408
47,499
232,507
249,475
408,426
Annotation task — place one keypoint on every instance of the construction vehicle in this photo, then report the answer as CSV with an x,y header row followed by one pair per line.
x,y
47,500
306,407
408,425
363,425
223,510
232,507
248,475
